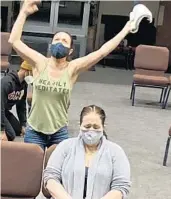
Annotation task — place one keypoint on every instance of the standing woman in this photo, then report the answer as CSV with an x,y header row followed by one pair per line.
x,y
54,78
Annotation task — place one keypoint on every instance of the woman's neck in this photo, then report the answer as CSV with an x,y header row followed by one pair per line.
x,y
59,63
91,149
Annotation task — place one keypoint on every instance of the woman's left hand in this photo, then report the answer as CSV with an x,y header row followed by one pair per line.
x,y
22,131
130,25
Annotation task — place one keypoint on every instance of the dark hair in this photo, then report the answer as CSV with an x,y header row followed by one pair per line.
x,y
93,108
72,41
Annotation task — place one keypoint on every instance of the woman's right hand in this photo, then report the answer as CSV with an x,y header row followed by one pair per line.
x,y
30,6
3,136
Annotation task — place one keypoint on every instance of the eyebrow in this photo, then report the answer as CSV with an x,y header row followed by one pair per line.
x,y
91,124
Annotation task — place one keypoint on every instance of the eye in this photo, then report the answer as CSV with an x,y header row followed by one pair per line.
x,y
87,126
95,126
65,41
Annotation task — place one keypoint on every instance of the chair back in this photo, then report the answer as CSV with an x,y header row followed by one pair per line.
x,y
151,59
21,170
6,47
47,156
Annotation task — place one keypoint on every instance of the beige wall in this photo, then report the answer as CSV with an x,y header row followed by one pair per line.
x,y
120,8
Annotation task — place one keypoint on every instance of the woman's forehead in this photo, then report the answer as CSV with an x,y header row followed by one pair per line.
x,y
62,35
92,118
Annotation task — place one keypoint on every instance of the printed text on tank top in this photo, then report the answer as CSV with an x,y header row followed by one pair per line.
x,y
50,102
47,83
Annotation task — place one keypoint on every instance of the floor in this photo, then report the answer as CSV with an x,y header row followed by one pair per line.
x,y
140,130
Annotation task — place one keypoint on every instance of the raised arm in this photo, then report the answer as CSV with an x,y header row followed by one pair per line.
x,y
84,63
25,52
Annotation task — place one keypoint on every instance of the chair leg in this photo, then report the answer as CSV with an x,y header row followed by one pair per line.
x,y
166,151
166,99
131,91
133,95
104,63
161,96
127,62
164,96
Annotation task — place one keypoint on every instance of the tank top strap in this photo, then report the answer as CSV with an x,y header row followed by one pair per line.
x,y
66,77
66,72
44,70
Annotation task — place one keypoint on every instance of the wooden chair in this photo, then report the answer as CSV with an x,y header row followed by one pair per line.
x,y
47,156
6,50
21,170
151,63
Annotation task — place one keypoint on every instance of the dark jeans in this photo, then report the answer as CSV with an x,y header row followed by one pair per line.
x,y
43,140
12,126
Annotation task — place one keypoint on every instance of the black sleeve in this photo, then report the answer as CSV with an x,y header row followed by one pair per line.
x,y
5,87
21,108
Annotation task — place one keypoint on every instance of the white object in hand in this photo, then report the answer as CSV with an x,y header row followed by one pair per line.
x,y
29,79
139,12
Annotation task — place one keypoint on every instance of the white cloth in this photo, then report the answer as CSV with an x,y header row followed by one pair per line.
x,y
139,12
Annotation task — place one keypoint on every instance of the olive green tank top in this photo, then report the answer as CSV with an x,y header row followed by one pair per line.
x,y
50,102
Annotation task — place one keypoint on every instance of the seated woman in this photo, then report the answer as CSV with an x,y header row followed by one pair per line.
x,y
88,166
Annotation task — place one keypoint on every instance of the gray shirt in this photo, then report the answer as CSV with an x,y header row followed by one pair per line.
x,y
110,169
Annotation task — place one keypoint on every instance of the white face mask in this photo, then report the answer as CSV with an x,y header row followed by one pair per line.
x,y
29,79
91,137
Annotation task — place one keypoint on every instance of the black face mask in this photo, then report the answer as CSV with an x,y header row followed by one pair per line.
x,y
59,51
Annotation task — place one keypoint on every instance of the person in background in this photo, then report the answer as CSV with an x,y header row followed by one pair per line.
x,y
88,166
14,92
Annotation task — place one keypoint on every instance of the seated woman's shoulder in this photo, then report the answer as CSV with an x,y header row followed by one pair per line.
x,y
114,147
68,142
